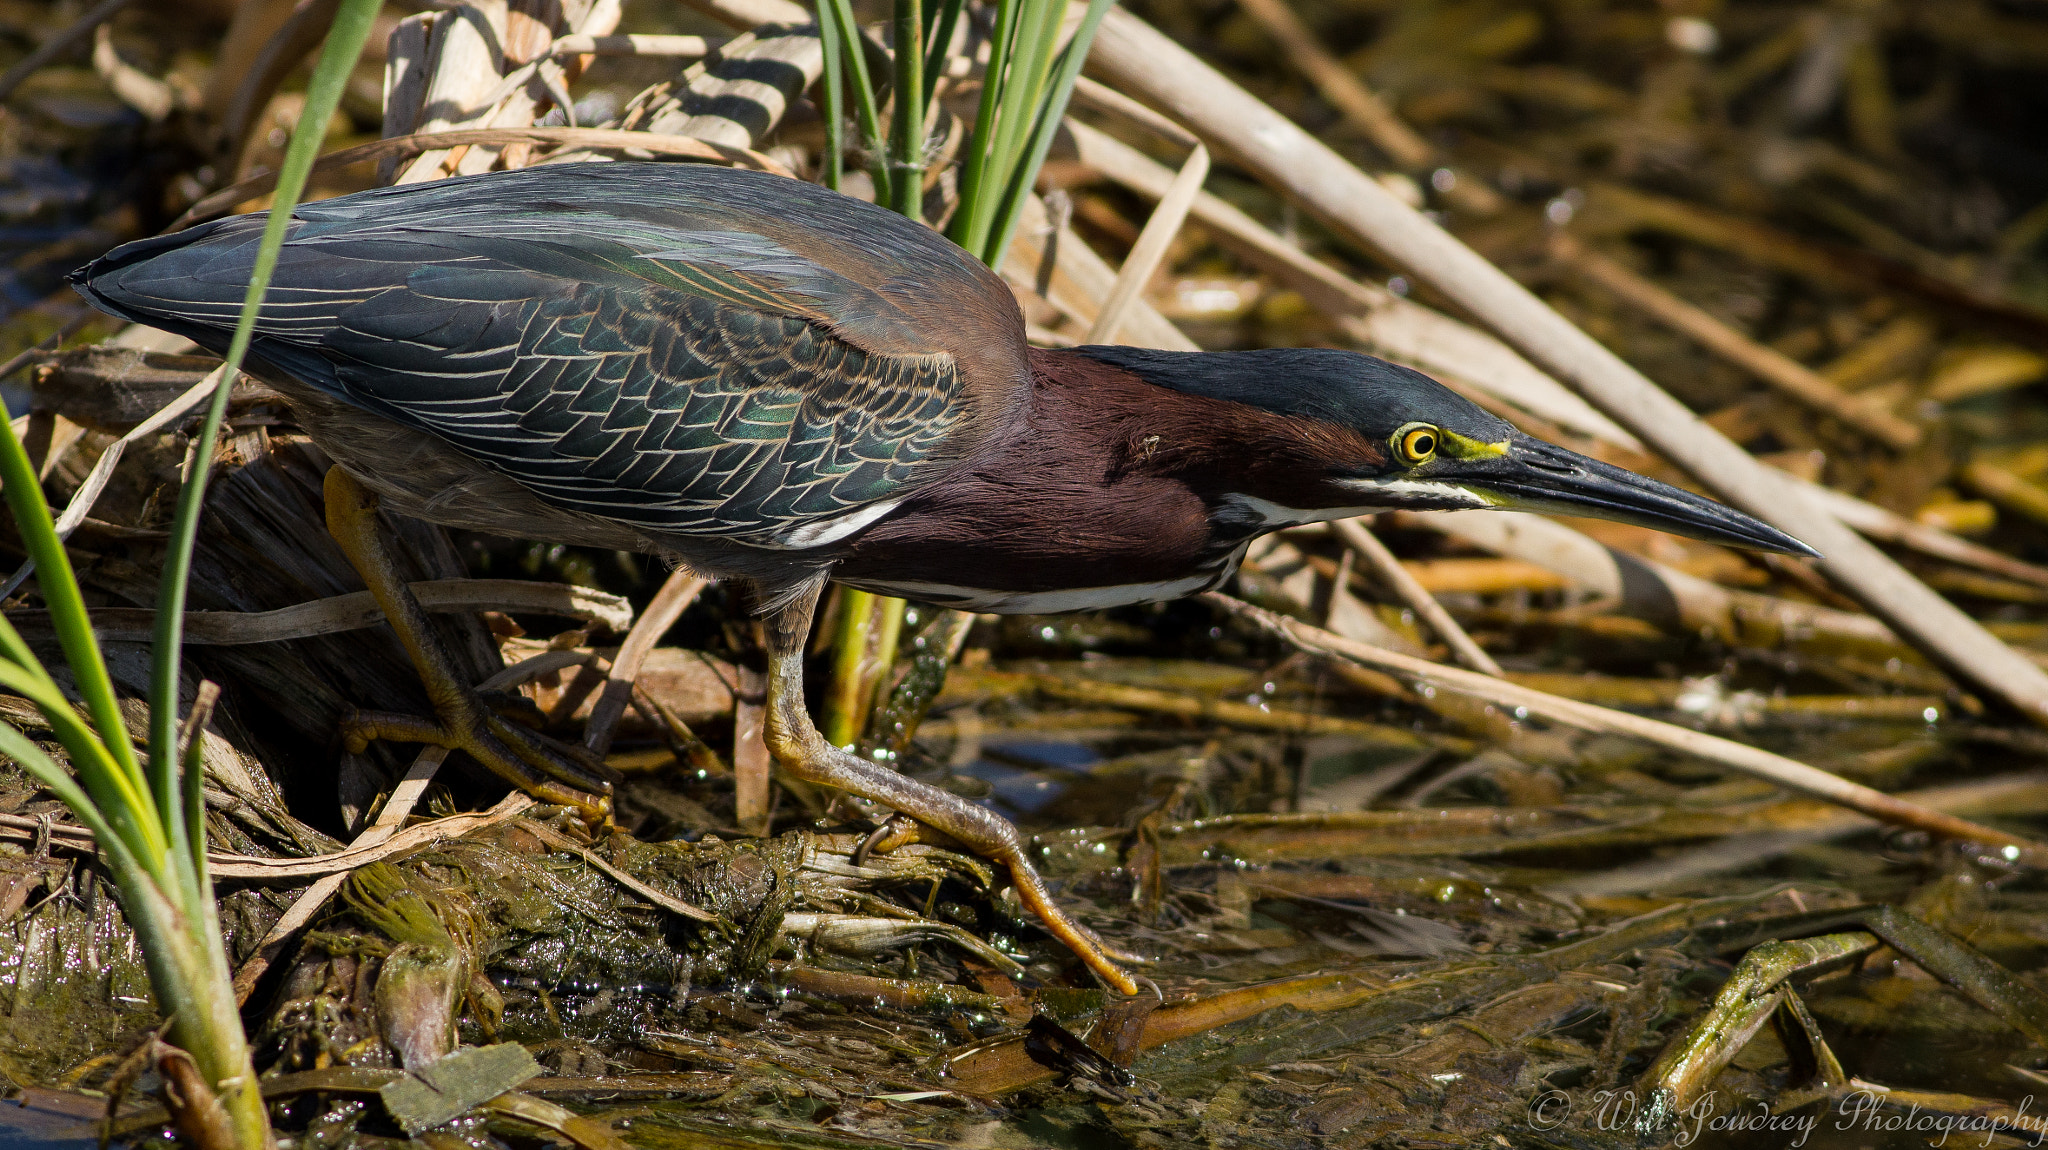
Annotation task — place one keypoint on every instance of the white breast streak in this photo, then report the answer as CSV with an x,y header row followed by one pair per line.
x,y
1043,602
833,530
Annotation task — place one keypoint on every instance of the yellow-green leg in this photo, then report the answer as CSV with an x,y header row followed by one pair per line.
x,y
803,752
550,771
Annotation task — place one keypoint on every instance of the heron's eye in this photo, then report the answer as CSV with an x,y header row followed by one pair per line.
x,y
1416,443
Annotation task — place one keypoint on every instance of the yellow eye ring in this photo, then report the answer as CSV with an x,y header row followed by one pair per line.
x,y
1416,443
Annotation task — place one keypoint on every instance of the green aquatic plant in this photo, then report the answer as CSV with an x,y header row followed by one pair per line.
x,y
146,814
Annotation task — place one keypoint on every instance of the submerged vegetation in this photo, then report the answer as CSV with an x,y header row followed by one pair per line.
x,y
1385,902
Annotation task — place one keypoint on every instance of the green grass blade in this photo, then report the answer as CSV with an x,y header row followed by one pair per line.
x,y
834,82
977,205
906,151
866,107
55,779
345,39
1037,35
906,129
119,799
61,594
1054,109
940,26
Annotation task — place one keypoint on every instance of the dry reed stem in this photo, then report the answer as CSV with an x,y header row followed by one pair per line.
x,y
1649,590
2007,795
1080,278
1890,527
350,612
1151,66
153,98
582,44
1380,320
609,139
1145,255
669,903
466,45
1782,372
103,471
1103,98
1362,541
747,88
677,593
1753,761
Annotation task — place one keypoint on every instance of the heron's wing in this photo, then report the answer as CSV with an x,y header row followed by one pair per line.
x,y
659,408
681,380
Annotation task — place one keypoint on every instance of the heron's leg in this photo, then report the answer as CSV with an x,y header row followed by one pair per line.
x,y
543,768
803,752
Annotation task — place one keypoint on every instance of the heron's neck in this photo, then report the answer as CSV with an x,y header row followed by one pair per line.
x,y
1150,418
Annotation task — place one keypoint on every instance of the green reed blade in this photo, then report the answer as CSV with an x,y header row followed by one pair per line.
x,y
1066,74
345,39
906,129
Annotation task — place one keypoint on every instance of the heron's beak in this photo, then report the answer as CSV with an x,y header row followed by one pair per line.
x,y
1531,475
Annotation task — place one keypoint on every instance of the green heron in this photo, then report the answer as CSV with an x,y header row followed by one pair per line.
x,y
767,381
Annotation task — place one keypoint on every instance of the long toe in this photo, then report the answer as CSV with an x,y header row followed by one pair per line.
x,y
549,771
566,762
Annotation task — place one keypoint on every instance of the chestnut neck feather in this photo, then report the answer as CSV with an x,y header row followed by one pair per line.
x,y
1105,479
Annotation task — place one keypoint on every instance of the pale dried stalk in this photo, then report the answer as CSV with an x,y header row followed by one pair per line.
x,y
466,58
650,143
669,903
747,88
542,78
1145,256
1418,599
1787,375
1103,98
1887,526
583,44
1651,591
1774,769
139,90
677,593
2004,795
1080,278
1380,320
1149,65
350,612
103,471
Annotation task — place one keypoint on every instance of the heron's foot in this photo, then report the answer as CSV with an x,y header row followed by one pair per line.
x,y
465,720
551,771
974,827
